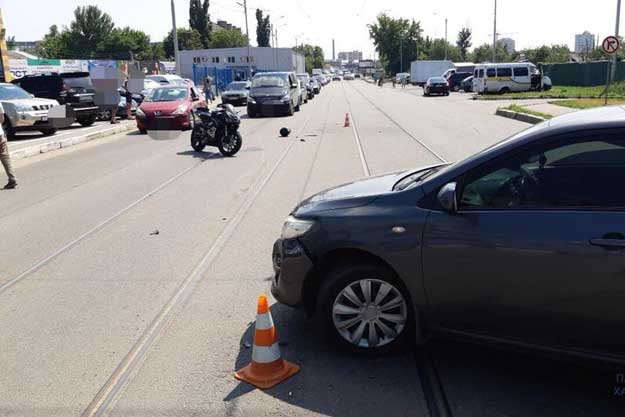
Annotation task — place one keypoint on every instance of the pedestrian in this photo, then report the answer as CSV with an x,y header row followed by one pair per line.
x,y
5,158
404,81
128,97
208,89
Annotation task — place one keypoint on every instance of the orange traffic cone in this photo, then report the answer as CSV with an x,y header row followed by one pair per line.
x,y
267,367
346,120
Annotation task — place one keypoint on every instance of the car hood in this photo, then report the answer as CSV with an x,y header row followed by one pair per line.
x,y
235,92
268,92
165,107
31,101
353,194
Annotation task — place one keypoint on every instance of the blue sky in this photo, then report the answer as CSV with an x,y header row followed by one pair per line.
x,y
529,22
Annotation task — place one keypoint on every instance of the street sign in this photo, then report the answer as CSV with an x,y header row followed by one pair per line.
x,y
611,44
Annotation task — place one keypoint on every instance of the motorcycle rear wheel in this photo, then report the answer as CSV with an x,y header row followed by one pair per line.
x,y
230,145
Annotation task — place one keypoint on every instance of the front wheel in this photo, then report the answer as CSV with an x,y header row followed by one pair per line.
x,y
87,120
49,131
290,111
364,308
231,144
197,141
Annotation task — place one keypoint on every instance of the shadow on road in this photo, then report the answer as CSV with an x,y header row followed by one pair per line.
x,y
331,383
202,155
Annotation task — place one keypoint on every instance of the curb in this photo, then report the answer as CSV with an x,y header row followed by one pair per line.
x,y
545,97
67,142
522,117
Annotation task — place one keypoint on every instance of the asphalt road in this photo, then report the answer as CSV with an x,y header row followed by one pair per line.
x,y
131,269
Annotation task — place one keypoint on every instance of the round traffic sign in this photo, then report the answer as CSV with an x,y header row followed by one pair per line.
x,y
611,44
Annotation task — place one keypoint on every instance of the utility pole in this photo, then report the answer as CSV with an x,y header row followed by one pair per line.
x,y
616,31
249,54
495,34
175,33
401,54
445,39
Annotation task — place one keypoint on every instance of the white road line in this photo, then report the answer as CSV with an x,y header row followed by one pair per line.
x,y
107,395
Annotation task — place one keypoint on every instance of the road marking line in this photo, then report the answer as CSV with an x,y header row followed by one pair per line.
x,y
361,152
118,379
403,129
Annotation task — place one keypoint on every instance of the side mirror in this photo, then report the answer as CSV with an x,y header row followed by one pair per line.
x,y
447,198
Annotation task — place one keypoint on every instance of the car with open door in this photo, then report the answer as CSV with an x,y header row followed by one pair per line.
x,y
521,244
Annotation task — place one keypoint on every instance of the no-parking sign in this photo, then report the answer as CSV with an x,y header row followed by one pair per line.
x,y
611,44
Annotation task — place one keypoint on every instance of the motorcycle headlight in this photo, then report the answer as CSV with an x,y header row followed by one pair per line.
x,y
140,112
182,109
294,227
286,98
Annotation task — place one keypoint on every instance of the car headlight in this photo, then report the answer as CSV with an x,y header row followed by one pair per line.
x,y
294,227
251,99
286,98
22,107
182,109
140,112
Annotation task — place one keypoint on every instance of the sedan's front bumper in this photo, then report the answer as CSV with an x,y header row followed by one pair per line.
x,y
291,265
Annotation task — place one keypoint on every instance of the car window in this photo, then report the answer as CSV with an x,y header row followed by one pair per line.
x,y
504,72
12,92
521,72
583,173
491,72
481,73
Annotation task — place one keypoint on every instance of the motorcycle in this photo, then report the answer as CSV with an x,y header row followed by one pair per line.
x,y
218,127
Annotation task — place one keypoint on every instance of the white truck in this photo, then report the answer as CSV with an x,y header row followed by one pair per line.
x,y
420,71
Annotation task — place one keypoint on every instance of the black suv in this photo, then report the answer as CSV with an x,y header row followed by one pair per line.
x,y
455,80
273,92
73,89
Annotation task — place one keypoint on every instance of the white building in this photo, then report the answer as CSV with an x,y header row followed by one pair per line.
x,y
228,64
584,42
509,44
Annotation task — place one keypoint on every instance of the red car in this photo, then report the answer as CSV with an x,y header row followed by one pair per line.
x,y
169,108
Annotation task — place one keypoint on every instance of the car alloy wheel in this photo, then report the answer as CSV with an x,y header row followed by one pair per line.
x,y
369,313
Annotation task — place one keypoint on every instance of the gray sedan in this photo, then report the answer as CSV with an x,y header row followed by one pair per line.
x,y
521,244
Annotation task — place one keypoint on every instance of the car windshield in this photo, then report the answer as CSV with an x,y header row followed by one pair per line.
x,y
12,92
237,86
269,81
78,82
167,94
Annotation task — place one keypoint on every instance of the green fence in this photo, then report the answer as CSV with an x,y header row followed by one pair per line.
x,y
583,74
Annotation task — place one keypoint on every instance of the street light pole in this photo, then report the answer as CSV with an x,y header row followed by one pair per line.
x,y
616,31
175,33
445,39
249,54
401,54
495,34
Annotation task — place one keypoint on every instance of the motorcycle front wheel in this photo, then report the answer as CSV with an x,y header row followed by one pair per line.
x,y
197,142
231,144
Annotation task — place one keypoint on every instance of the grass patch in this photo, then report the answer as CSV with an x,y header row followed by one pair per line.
x,y
587,103
617,90
521,109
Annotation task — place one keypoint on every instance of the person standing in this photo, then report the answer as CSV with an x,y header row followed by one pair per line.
x,y
5,158
128,97
208,89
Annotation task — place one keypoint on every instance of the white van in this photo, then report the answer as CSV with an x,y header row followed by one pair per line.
x,y
508,77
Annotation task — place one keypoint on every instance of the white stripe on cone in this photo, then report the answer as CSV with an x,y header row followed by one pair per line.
x,y
266,354
264,321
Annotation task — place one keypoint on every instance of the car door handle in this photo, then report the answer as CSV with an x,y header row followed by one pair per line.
x,y
608,243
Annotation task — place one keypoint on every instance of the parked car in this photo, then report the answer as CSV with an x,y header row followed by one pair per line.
x,y
72,89
303,93
137,99
149,84
436,85
521,243
305,78
174,105
348,76
273,92
316,87
455,80
166,79
236,93
467,84
508,77
358,75
337,77
24,112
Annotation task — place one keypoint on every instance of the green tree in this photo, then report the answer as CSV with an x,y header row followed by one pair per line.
x,y
464,42
187,39
313,56
228,38
127,42
548,54
199,19
436,50
90,27
263,28
395,39
484,53
158,51
53,44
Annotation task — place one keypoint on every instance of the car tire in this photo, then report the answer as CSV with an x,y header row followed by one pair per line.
x,y
143,131
251,114
504,90
298,107
290,111
87,121
456,88
393,326
49,131
446,93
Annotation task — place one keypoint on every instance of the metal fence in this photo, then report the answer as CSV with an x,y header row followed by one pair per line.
x,y
582,74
